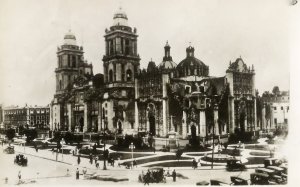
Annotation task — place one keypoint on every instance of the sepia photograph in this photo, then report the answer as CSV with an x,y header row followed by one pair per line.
x,y
161,92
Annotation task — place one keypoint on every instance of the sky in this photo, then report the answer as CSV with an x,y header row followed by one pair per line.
x,y
220,31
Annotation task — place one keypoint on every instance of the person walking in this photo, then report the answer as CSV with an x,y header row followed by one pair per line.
x,y
194,163
19,176
91,158
147,178
174,175
78,160
77,174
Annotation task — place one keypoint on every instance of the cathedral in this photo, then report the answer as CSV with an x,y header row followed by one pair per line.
x,y
166,98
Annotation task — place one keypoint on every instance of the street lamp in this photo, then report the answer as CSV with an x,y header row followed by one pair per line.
x,y
131,146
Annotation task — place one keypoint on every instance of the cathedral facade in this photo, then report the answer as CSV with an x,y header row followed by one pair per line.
x,y
168,98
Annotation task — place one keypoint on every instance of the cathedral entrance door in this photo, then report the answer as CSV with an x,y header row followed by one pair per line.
x,y
81,124
119,127
242,122
152,125
193,131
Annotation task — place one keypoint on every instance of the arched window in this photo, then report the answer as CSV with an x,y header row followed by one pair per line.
x,y
128,75
110,75
60,84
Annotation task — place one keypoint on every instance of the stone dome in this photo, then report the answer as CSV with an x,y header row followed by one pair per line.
x,y
191,65
69,38
120,18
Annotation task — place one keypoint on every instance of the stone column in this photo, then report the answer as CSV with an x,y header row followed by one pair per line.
x,y
70,116
136,109
202,123
99,116
165,80
184,133
263,113
147,123
231,114
85,117
216,120
255,115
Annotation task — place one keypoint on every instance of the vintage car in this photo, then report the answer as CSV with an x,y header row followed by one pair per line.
x,y
278,171
260,179
9,150
272,162
238,181
235,165
271,173
202,183
21,160
214,182
156,175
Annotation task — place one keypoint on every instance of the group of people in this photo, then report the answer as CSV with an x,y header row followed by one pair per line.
x,y
156,176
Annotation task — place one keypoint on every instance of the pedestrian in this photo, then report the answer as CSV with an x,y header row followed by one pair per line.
x,y
134,163
68,174
147,178
194,163
77,174
91,158
19,176
174,175
52,151
78,160
84,170
119,162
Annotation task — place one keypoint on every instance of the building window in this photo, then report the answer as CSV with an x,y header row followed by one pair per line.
x,y
129,75
187,89
275,121
275,108
282,108
110,75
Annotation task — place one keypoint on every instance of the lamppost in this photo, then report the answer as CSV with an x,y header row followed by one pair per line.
x,y
131,146
104,152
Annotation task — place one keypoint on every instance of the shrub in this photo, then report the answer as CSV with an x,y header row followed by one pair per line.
x,y
10,133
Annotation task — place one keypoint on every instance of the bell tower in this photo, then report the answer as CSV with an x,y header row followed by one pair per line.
x,y
121,60
69,57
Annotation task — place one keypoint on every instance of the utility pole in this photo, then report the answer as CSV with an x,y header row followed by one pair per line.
x,y
213,147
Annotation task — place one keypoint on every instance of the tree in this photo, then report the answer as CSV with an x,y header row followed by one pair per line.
x,y
10,133
69,137
276,90
30,134
179,153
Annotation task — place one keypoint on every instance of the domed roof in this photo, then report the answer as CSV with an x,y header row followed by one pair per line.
x,y
69,38
151,66
191,65
120,18
167,65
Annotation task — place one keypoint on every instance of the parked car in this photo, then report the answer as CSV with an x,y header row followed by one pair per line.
x,y
235,165
21,160
271,173
272,162
9,150
260,179
238,181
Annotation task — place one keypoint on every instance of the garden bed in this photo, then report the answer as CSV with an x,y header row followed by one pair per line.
x,y
173,164
255,160
158,158
259,153
117,148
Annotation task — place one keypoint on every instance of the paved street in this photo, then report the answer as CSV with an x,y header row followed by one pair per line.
x,y
48,171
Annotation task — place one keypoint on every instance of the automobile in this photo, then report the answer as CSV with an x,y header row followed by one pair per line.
x,y
214,182
156,176
278,171
21,160
284,169
202,183
238,181
260,179
235,165
9,150
272,162
271,173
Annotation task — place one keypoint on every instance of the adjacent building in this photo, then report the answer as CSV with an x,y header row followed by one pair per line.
x,y
31,116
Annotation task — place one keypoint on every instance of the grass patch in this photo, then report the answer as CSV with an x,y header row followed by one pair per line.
x,y
257,147
173,164
118,148
255,160
159,158
259,154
